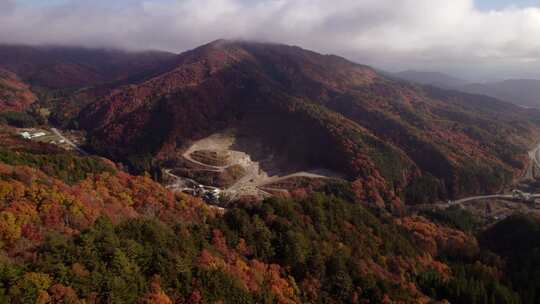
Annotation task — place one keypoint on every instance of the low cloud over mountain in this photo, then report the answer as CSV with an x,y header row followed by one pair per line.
x,y
454,36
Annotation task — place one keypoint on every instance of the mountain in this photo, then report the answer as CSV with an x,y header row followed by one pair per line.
x,y
524,92
431,78
397,142
64,67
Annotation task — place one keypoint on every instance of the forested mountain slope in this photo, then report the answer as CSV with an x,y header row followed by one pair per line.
x,y
86,231
394,139
15,95
57,67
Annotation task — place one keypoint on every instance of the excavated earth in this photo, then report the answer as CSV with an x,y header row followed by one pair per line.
x,y
221,161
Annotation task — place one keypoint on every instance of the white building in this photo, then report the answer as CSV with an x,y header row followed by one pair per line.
x,y
38,134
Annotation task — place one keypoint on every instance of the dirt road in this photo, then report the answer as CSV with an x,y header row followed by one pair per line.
x,y
254,177
68,141
534,160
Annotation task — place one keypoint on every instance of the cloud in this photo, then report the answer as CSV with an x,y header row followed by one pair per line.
x,y
394,34
6,6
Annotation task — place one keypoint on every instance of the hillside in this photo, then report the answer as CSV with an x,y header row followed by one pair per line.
x,y
108,236
77,229
516,240
56,67
47,225
393,139
15,95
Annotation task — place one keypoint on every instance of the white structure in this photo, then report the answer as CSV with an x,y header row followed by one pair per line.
x,y
522,196
38,134
26,135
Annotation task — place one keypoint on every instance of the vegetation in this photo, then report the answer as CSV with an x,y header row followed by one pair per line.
x,y
120,238
124,239
302,236
66,166
455,217
471,283
477,178
15,95
212,261
18,119
505,271
517,241
425,189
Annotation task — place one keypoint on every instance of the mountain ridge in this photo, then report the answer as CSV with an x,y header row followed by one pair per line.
x,y
60,67
431,78
524,92
388,125
520,91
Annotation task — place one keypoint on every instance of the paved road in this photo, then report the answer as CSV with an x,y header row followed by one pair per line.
x,y
480,197
534,160
69,142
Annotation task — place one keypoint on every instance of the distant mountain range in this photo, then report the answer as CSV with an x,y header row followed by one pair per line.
x,y
523,92
431,78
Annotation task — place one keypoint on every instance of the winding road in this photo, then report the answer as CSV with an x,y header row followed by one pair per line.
x,y
254,180
480,197
534,160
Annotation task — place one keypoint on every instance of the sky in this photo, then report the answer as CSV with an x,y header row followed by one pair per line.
x,y
499,4
473,39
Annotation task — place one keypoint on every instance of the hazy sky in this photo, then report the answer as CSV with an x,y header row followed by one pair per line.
x,y
483,39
